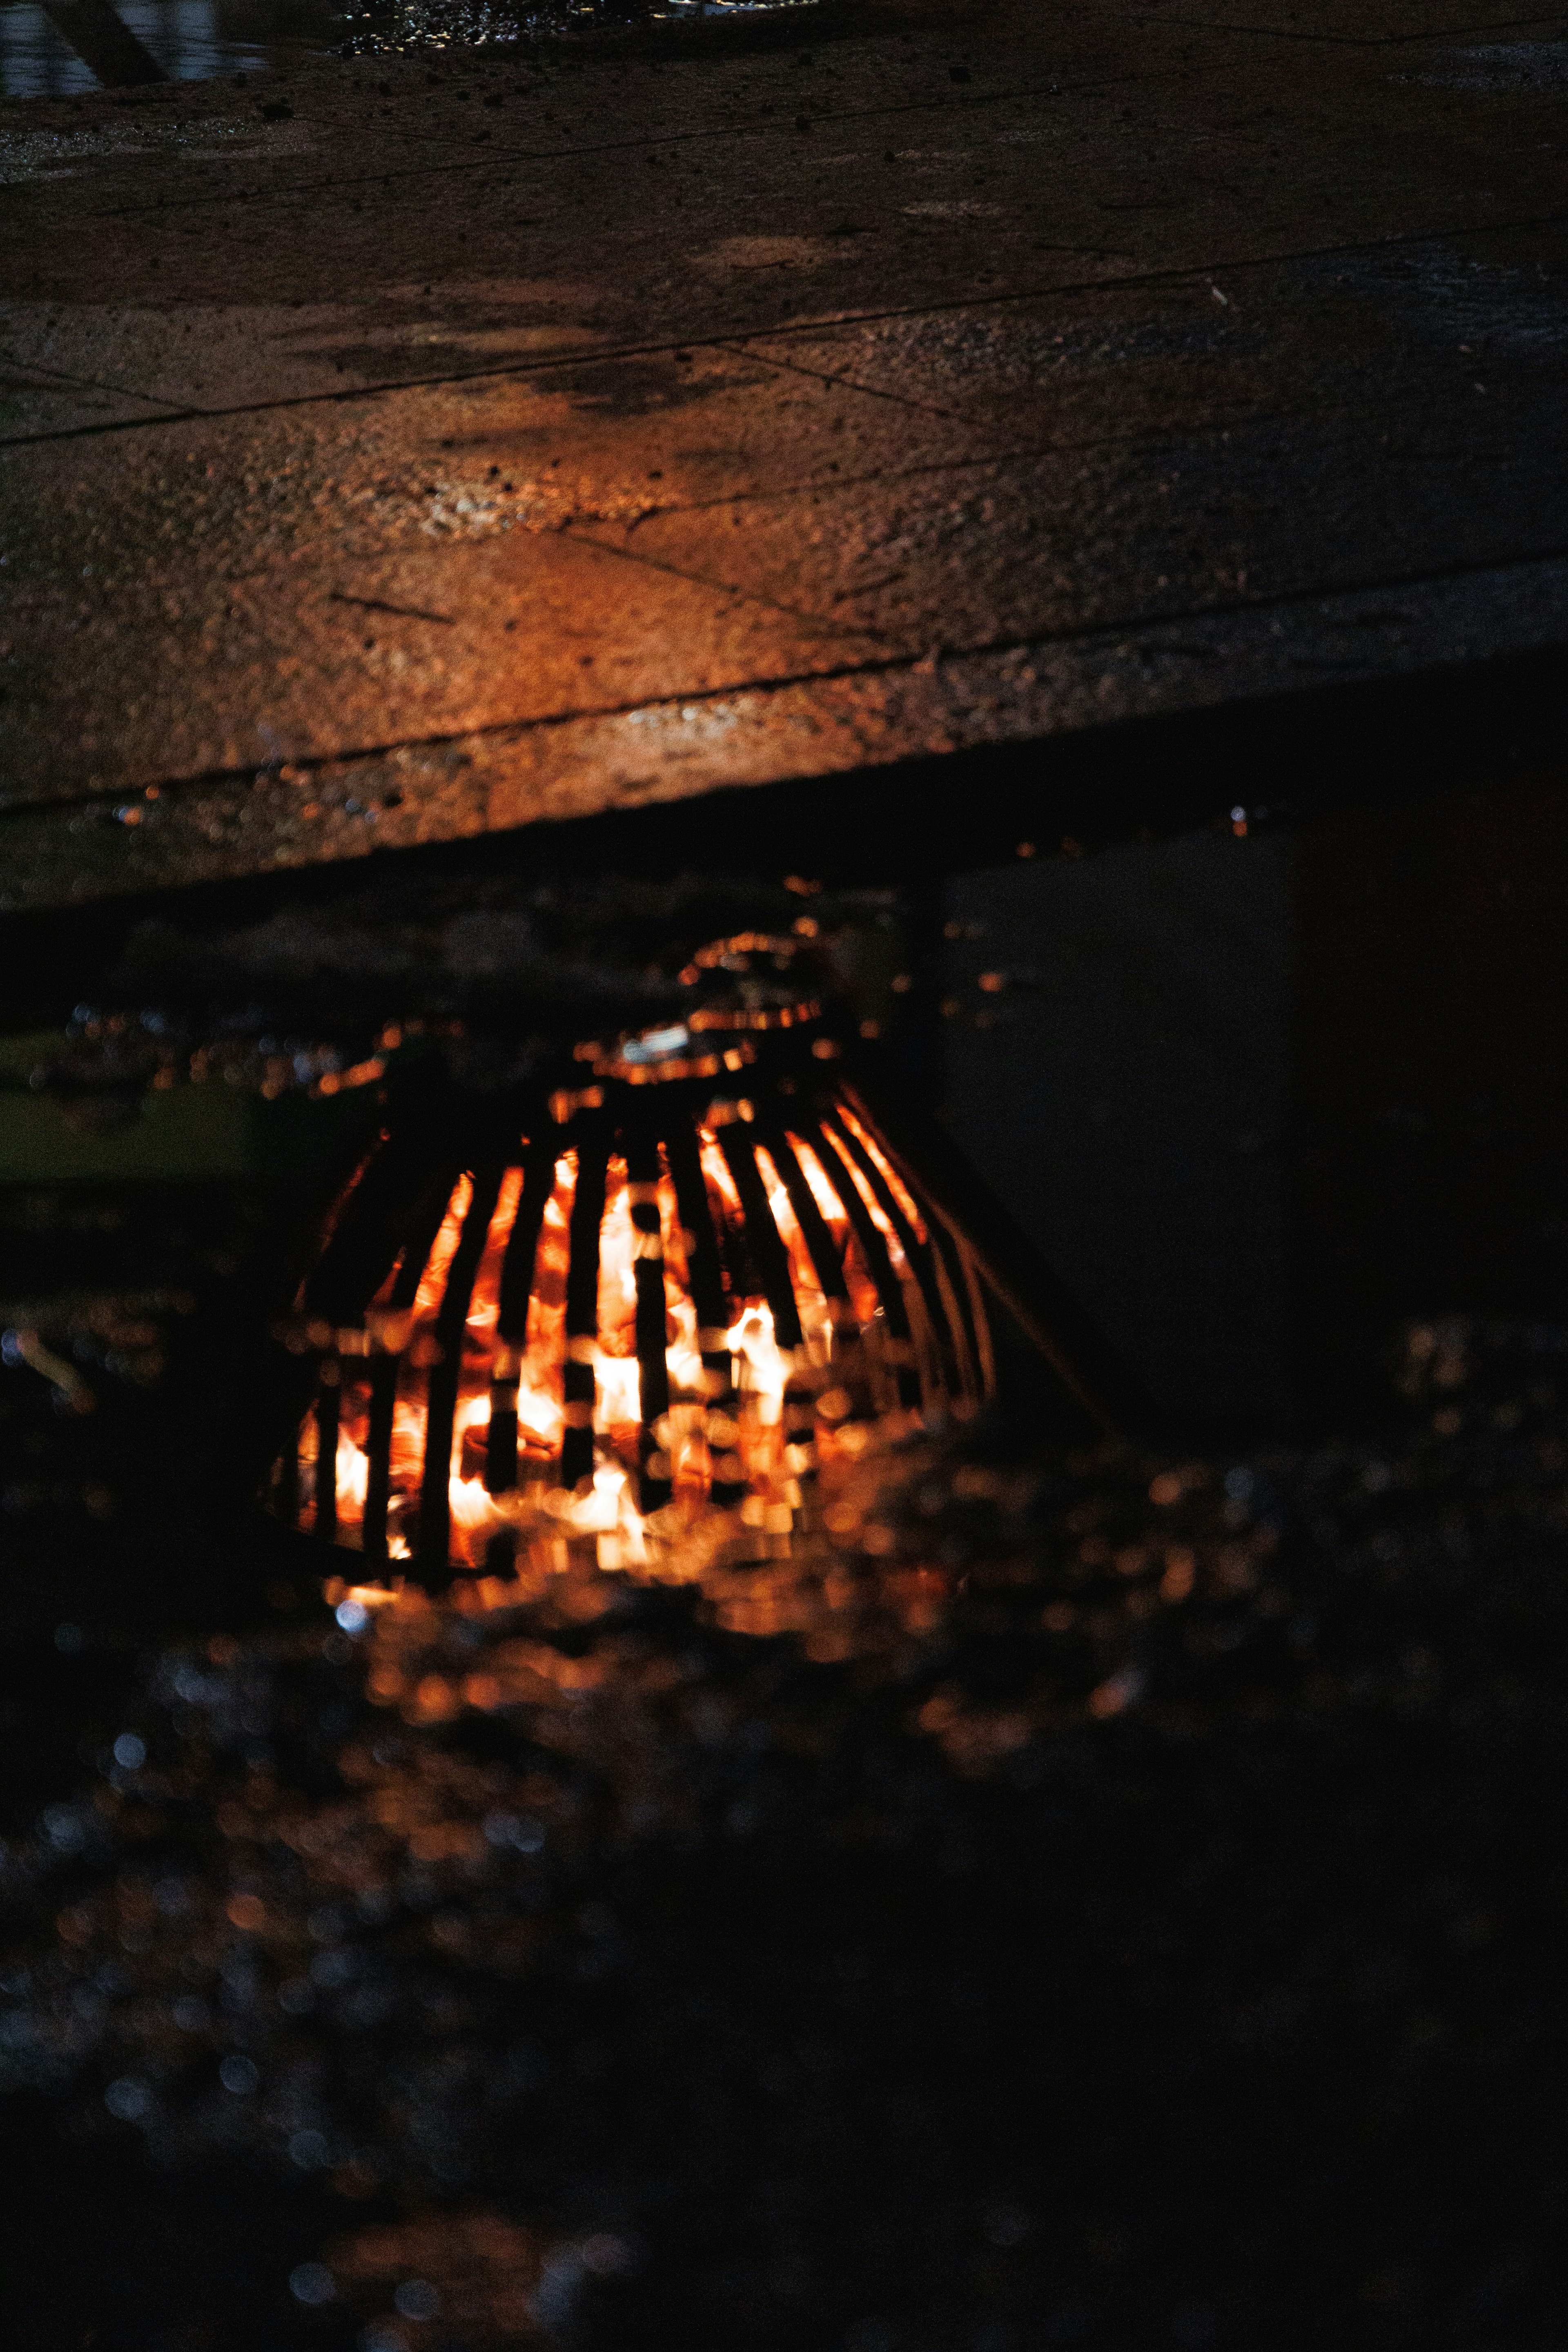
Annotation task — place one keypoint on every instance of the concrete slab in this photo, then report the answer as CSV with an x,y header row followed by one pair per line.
x,y
397,450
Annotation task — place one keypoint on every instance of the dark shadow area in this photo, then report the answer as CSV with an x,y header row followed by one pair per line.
x,y
1114,1907
1260,1098
1280,759
1152,1942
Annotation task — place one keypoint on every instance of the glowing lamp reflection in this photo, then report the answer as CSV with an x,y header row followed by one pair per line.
x,y
637,1337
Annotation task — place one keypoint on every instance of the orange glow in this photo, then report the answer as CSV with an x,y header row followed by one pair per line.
x,y
894,1182
721,1459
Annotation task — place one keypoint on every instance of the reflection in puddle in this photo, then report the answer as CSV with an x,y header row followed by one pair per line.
x,y
53,52
388,26
66,47
381,1902
552,1933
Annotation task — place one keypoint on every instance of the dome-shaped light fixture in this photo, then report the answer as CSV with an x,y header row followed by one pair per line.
x,y
639,1321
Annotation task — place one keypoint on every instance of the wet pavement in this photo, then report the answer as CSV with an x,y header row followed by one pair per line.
x,y
1103,1898
404,448
1100,1895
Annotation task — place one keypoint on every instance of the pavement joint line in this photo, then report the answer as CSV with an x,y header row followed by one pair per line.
x,y
817,485
719,587
1151,625
298,189
380,604
1018,449
89,384
600,356
744,349
1016,453
1350,40
783,494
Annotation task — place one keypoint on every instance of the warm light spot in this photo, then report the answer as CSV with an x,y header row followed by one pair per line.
x,y
1181,1573
728,1453
885,1167
1113,1697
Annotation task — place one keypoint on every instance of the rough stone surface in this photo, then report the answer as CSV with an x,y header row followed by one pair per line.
x,y
487,441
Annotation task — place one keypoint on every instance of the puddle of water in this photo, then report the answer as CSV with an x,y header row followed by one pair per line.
x,y
65,47
384,27
186,40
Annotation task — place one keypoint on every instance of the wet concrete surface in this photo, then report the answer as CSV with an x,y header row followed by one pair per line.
x,y
399,448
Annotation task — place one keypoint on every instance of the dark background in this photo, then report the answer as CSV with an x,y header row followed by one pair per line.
x,y
1209,2027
